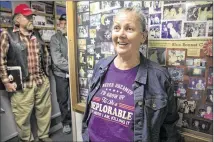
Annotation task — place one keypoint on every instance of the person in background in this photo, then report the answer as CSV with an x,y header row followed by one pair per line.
x,y
189,31
173,13
209,113
22,46
180,14
166,13
59,56
196,125
130,97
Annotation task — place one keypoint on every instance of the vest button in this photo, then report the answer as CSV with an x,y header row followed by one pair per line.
x,y
154,105
140,103
139,123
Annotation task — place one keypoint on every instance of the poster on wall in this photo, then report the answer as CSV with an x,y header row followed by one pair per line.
x,y
179,39
60,10
39,21
5,6
6,19
49,8
38,7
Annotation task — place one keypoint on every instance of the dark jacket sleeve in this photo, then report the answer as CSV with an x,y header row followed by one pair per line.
x,y
168,132
57,57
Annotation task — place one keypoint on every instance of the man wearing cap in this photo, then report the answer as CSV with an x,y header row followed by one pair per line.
x,y
59,55
22,46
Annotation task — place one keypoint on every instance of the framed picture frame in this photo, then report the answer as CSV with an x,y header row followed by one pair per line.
x,y
38,7
72,53
5,6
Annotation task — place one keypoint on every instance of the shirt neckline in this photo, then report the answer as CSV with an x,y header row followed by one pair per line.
x,y
112,66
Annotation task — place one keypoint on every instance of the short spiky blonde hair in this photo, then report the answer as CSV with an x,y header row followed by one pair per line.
x,y
139,15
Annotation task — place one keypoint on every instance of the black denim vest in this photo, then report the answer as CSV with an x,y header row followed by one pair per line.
x,y
17,53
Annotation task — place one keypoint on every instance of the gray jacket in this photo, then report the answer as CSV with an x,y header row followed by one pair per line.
x,y
155,106
59,54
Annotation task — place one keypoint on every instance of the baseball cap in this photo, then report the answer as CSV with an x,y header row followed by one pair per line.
x,y
23,9
62,17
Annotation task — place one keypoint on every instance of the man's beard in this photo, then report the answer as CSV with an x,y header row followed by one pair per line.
x,y
29,26
63,30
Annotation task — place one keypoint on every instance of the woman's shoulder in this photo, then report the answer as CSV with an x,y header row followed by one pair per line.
x,y
105,61
154,67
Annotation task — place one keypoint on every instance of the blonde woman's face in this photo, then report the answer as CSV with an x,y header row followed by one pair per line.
x,y
126,33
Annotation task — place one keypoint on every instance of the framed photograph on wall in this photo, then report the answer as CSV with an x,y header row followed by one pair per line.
x,y
5,6
38,7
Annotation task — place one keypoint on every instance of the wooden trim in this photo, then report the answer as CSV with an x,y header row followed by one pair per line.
x,y
5,26
196,134
43,14
55,18
72,57
61,5
44,28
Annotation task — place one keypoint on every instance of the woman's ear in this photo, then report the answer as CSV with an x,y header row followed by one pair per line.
x,y
144,37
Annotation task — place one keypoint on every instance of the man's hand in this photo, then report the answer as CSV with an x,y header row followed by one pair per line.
x,y
10,87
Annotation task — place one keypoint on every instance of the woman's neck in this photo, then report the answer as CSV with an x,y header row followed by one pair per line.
x,y
128,62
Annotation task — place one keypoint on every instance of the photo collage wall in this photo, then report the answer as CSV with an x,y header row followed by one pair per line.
x,y
179,38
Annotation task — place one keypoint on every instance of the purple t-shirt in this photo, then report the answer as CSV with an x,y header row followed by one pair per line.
x,y
112,107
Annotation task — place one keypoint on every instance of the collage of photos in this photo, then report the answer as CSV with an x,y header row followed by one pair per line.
x,y
193,81
180,20
39,19
166,20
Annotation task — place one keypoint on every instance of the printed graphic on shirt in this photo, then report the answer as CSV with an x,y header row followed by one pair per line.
x,y
111,103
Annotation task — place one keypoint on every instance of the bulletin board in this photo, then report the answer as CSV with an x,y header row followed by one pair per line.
x,y
180,35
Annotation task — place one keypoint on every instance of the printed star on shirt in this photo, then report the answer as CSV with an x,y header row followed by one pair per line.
x,y
117,91
107,22
113,90
121,92
92,41
98,56
98,27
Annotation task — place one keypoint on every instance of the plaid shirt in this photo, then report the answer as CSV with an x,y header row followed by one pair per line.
x,y
36,73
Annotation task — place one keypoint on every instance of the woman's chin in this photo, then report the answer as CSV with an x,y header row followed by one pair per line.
x,y
123,52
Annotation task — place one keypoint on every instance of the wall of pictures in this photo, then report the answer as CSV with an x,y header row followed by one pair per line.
x,y
179,38
45,20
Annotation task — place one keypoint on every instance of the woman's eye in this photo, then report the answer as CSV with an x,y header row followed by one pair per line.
x,y
116,28
130,29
